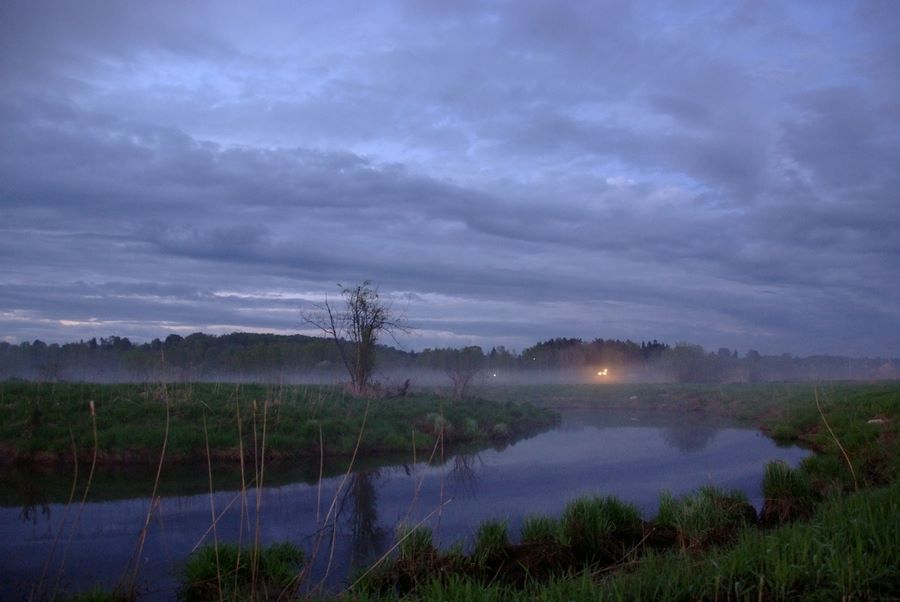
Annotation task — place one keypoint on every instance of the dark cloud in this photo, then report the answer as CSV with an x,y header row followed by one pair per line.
x,y
507,171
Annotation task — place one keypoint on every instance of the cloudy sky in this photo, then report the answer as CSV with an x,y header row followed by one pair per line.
x,y
725,174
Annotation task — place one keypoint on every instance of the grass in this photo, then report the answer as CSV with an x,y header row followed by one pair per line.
x,y
226,572
601,529
36,419
543,530
706,518
788,494
846,551
491,541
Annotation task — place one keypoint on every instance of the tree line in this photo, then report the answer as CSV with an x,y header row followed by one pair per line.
x,y
299,358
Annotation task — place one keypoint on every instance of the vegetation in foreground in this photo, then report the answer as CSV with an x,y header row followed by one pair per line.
x,y
39,421
846,551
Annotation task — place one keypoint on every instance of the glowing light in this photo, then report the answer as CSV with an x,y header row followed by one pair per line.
x,y
494,375
604,372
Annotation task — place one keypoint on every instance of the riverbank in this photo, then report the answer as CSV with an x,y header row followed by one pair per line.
x,y
48,423
827,529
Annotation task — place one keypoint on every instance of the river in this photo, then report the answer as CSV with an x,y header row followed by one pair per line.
x,y
630,455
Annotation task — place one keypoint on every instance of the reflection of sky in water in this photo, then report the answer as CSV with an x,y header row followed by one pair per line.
x,y
591,453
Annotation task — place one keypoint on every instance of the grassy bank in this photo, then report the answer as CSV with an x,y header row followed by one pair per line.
x,y
38,421
846,550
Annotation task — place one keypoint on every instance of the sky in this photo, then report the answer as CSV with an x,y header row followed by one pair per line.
x,y
724,174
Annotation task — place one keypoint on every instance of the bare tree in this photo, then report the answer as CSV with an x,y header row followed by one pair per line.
x,y
462,366
356,328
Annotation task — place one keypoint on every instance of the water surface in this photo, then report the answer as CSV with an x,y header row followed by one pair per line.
x,y
630,455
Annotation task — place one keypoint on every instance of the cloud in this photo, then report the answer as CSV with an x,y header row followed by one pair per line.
x,y
722,175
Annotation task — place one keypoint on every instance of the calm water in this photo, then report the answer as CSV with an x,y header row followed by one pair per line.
x,y
632,456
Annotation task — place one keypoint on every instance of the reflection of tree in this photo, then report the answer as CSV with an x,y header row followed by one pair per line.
x,y
33,497
463,477
688,438
361,501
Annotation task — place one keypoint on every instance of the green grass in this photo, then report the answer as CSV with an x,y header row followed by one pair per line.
x,y
491,541
847,550
414,544
601,529
36,420
706,518
538,529
227,572
788,494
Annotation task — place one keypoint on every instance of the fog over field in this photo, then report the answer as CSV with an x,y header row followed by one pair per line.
x,y
506,173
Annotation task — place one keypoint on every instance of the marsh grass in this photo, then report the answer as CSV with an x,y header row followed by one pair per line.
x,y
788,494
265,574
491,542
543,530
846,551
705,518
601,530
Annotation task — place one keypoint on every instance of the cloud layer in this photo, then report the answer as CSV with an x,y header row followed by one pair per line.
x,y
505,171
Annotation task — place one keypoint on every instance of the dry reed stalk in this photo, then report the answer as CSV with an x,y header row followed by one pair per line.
x,y
212,507
254,552
398,542
260,473
87,488
243,492
36,591
833,436
301,576
359,437
418,488
441,495
154,502
222,513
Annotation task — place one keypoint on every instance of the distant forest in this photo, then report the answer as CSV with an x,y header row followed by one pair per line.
x,y
297,358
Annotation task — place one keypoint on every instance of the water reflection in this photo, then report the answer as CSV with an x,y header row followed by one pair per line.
x,y
360,506
463,476
689,439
